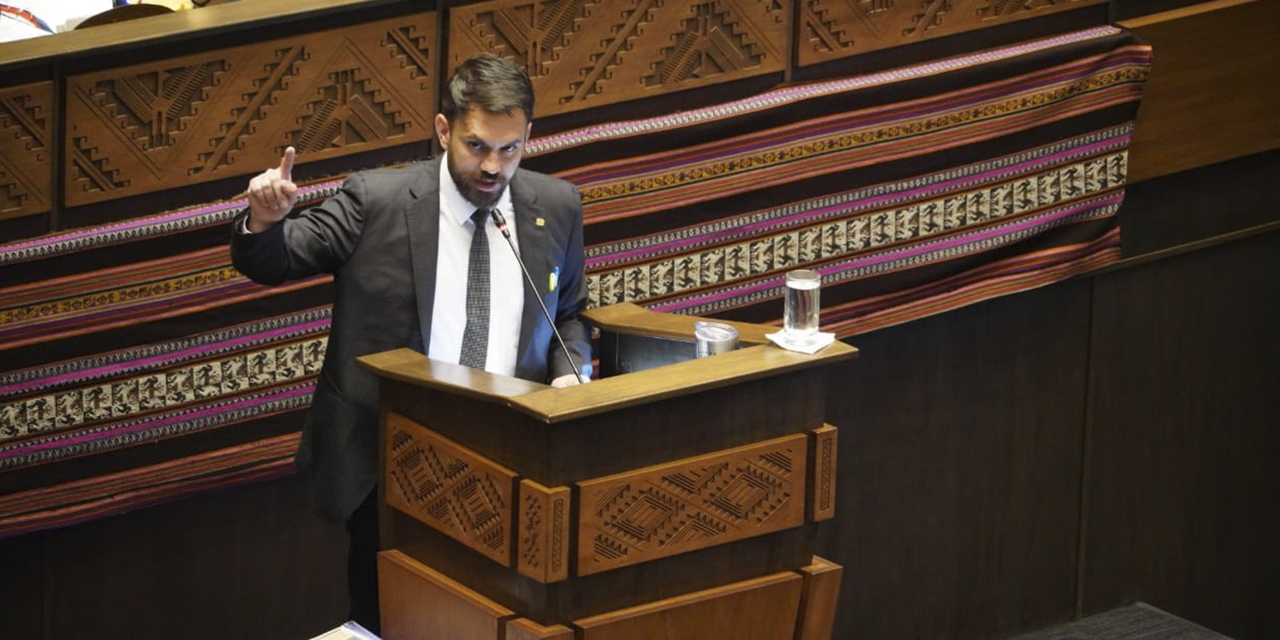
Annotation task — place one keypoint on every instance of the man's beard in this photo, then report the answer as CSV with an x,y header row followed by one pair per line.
x,y
473,194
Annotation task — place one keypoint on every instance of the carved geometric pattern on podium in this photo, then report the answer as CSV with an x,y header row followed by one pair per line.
x,y
691,504
231,112
450,488
26,174
831,29
587,53
543,532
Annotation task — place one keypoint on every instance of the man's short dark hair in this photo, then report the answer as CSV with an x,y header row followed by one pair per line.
x,y
494,84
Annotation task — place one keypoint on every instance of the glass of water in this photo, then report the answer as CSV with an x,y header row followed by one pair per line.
x,y
800,313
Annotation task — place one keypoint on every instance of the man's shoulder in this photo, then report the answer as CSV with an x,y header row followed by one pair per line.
x,y
404,173
545,184
388,186
531,175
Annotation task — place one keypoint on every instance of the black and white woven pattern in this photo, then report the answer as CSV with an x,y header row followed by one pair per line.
x,y
475,338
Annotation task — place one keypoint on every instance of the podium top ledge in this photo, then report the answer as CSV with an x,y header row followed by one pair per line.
x,y
551,405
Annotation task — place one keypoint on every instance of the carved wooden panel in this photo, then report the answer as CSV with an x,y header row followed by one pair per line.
x,y
26,130
542,547
699,502
822,491
450,488
831,29
233,111
586,53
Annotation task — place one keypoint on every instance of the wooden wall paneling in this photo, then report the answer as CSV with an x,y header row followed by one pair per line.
x,y
228,112
251,563
957,502
1125,9
1171,210
22,589
762,609
1214,89
831,29
1183,492
583,55
26,139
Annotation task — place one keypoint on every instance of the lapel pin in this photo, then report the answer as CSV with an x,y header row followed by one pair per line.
x,y
540,222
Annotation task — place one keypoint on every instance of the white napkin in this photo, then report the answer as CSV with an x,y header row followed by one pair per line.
x,y
809,345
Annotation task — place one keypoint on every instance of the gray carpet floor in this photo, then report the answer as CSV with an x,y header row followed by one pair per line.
x,y
1135,622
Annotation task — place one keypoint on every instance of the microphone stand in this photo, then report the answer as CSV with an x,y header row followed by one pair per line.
x,y
501,223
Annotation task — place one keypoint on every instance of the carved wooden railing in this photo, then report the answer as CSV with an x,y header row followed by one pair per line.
x,y
191,98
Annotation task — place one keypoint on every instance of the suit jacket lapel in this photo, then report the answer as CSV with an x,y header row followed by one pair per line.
x,y
422,218
532,239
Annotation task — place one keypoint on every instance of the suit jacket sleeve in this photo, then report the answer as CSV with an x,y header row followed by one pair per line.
x,y
572,301
318,240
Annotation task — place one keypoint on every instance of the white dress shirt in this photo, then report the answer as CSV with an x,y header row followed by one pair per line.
x,y
506,282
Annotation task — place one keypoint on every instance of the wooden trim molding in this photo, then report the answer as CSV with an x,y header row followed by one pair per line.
x,y
543,545
822,479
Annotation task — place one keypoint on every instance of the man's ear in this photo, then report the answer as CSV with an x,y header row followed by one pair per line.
x,y
442,130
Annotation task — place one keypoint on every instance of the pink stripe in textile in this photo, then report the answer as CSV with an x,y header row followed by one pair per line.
x,y
865,204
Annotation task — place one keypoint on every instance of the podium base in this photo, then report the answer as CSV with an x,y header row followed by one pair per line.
x,y
420,602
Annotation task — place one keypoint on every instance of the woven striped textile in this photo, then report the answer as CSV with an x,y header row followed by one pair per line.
x,y
141,333
138,366
911,191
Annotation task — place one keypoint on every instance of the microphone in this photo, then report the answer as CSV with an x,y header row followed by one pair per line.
x,y
501,222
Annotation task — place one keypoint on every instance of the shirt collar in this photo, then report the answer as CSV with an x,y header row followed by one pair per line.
x,y
455,205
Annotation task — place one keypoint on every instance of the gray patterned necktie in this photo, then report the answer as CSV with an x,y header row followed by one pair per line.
x,y
475,338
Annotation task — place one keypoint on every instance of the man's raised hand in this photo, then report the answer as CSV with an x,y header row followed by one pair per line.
x,y
272,194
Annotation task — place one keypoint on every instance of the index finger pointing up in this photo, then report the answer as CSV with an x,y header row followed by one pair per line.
x,y
286,164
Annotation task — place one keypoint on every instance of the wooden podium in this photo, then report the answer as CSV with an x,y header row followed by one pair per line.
x,y
674,498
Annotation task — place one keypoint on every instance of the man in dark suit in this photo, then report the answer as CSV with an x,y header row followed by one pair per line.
x,y
401,244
